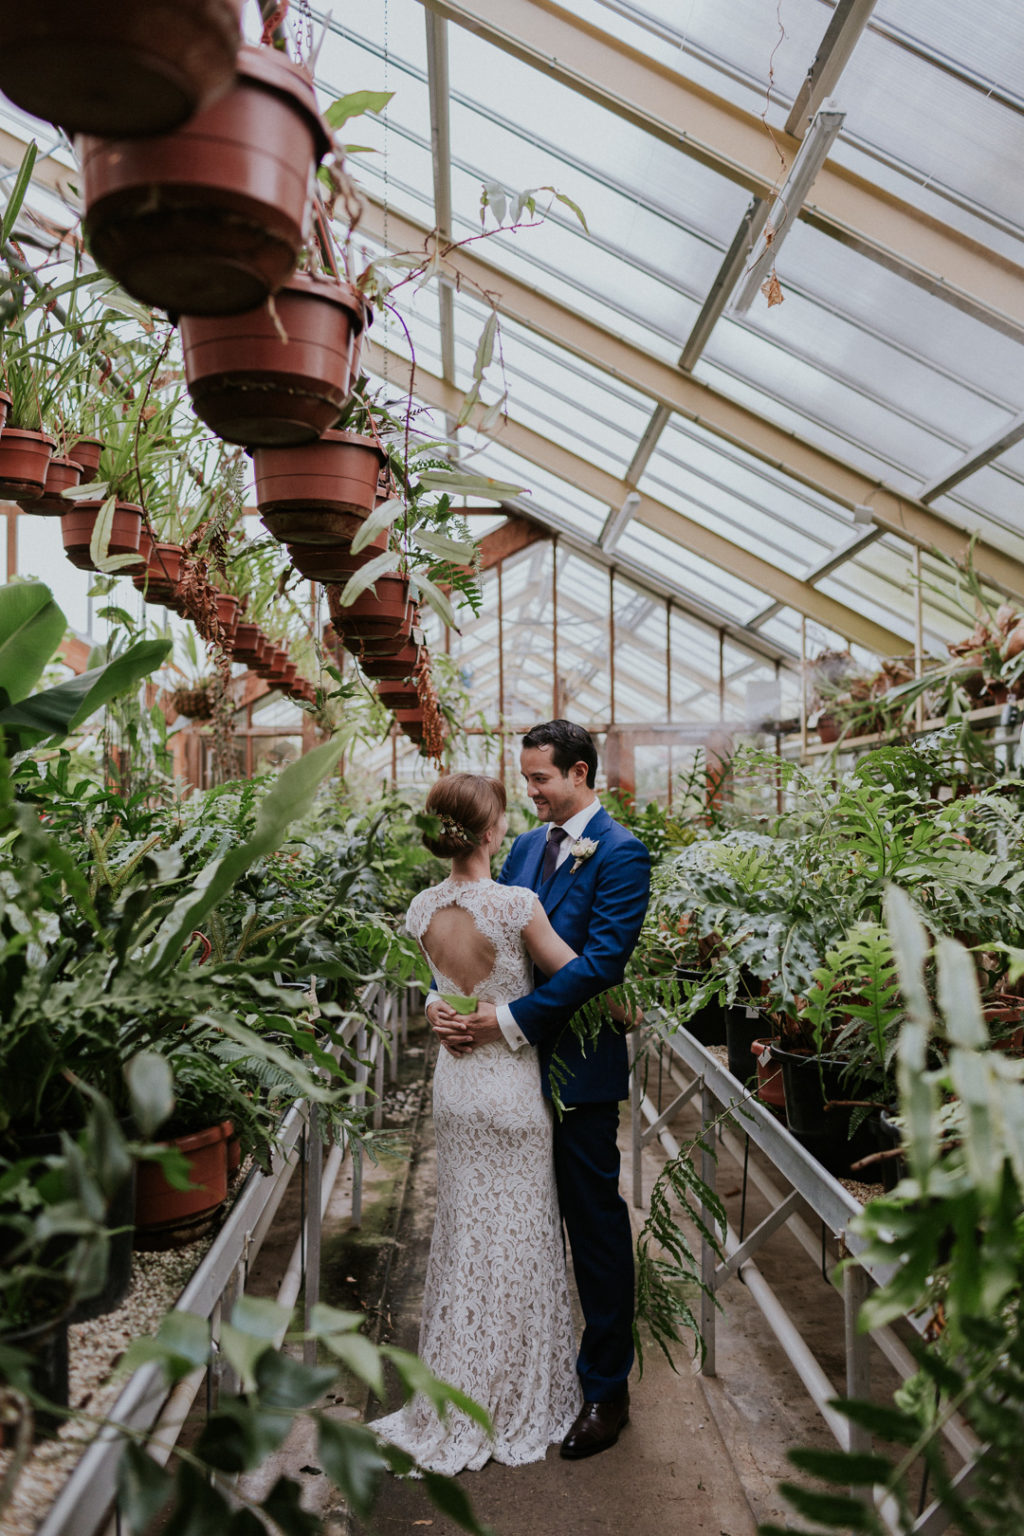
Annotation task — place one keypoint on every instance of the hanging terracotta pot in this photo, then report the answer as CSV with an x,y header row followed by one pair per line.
x,y
320,493
334,562
396,696
393,668
166,1217
277,375
211,219
227,615
245,643
77,529
158,583
145,550
410,723
380,619
61,473
139,67
86,452
24,460
272,662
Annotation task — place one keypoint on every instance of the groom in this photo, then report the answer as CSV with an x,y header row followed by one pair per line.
x,y
593,880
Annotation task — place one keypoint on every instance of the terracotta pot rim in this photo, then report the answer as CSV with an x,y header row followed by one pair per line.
x,y
275,71
38,434
193,1141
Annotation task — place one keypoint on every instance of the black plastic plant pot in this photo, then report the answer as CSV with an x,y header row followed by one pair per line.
x,y
708,1024
812,1082
743,1025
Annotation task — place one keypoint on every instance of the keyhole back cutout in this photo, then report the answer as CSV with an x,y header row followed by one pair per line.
x,y
457,949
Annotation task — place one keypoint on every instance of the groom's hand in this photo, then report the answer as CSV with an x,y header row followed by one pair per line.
x,y
449,1027
483,1025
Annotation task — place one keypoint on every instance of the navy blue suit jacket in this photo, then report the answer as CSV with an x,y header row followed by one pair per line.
x,y
599,911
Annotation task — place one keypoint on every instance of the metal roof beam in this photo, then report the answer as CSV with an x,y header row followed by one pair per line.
x,y
774,446
691,535
441,158
847,23
976,458
847,207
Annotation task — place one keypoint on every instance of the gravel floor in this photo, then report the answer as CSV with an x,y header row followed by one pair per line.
x,y
95,1350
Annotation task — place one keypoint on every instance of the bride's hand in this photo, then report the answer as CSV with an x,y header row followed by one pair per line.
x,y
449,1027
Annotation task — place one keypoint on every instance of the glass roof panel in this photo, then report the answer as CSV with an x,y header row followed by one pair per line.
x,y
708,584
974,145
740,498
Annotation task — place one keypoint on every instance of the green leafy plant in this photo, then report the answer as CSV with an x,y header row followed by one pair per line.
x,y
204,1491
952,1236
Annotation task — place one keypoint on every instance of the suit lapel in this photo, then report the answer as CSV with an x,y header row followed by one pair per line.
x,y
562,880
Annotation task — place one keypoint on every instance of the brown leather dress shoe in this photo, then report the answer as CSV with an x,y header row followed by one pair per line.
x,y
597,1427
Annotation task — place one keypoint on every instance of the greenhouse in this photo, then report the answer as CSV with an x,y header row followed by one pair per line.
x,y
511,802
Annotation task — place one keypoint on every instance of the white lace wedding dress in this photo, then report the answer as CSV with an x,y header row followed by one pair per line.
x,y
496,1319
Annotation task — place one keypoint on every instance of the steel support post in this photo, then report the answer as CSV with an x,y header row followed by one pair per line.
x,y
396,1035
378,1061
359,1101
708,1171
314,1228
856,1284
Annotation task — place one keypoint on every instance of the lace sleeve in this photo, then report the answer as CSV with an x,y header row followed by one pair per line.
x,y
417,920
522,904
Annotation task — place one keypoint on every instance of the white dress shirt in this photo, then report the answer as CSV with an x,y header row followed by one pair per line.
x,y
574,827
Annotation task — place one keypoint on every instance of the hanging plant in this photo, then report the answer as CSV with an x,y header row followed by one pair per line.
x,y
281,374
320,493
169,58
210,219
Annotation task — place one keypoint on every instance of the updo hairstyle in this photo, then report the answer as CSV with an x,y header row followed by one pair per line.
x,y
466,804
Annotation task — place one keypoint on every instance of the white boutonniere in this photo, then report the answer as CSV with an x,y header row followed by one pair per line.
x,y
582,849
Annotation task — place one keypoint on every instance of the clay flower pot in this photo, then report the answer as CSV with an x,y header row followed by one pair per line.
x,y
165,1216
410,723
379,621
334,562
395,696
272,662
227,615
77,529
61,473
142,66
24,461
393,668
320,493
86,452
210,220
245,643
276,377
158,582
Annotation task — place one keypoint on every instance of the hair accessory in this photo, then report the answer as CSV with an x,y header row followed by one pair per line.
x,y
454,829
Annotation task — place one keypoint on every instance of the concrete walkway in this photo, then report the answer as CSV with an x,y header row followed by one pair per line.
x,y
670,1474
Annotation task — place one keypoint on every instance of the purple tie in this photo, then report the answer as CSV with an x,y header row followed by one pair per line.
x,y
556,837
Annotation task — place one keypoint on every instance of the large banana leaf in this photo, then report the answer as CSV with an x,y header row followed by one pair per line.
x,y
31,627
56,711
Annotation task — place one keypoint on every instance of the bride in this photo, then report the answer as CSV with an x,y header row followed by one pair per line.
x,y
496,1316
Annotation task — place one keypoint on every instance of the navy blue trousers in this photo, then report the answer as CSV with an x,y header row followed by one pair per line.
x,y
601,1243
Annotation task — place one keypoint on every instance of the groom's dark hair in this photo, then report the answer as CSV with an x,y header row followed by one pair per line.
x,y
569,744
